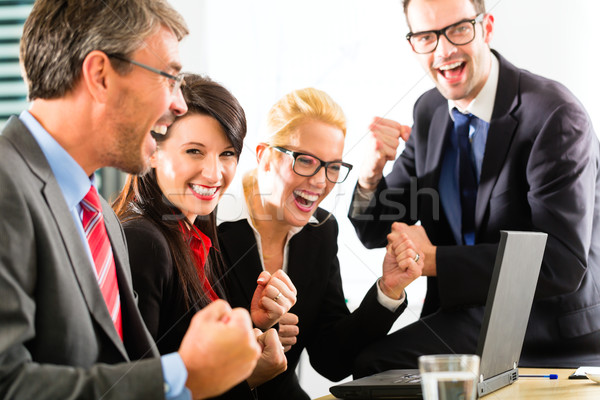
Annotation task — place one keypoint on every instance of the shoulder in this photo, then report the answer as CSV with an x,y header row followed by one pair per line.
x,y
238,227
22,163
327,227
543,92
142,226
429,102
547,105
235,237
145,240
536,93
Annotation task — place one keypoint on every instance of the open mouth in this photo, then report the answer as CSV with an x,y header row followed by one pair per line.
x,y
204,192
158,131
452,71
305,201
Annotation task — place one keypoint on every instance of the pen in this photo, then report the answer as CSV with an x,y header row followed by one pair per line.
x,y
550,376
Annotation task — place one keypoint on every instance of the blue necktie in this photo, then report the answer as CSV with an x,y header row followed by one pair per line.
x,y
467,178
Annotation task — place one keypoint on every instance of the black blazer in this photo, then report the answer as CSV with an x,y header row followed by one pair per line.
x,y
332,335
161,301
57,340
539,173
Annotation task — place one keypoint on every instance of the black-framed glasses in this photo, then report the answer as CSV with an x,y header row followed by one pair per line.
x,y
459,34
308,165
175,81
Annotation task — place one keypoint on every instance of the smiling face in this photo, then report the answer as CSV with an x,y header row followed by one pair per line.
x,y
289,198
195,164
141,102
459,72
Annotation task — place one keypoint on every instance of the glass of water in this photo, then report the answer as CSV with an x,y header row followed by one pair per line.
x,y
449,376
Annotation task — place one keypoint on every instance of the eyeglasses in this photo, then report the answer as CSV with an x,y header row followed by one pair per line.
x,y
307,165
459,34
175,81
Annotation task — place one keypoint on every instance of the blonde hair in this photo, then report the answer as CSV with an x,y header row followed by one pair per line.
x,y
292,110
297,107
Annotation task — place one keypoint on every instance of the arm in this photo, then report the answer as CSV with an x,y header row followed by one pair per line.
x,y
32,362
563,197
338,336
402,264
272,361
561,171
219,349
383,142
221,330
288,330
151,270
380,202
274,296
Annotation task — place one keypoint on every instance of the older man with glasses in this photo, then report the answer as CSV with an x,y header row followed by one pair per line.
x,y
69,323
492,148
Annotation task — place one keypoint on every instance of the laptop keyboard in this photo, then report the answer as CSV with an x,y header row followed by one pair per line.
x,y
408,378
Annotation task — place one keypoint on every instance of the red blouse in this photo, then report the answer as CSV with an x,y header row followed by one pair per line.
x,y
200,245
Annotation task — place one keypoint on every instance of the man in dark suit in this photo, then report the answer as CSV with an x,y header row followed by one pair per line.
x,y
492,148
101,77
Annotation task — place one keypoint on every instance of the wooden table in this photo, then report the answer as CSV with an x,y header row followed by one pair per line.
x,y
543,388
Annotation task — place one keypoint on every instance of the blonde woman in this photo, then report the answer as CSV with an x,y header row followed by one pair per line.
x,y
284,229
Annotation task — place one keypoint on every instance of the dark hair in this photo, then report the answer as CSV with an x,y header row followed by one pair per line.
x,y
204,96
478,4
141,196
59,34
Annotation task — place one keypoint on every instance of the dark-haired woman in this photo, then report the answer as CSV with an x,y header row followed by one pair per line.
x,y
169,219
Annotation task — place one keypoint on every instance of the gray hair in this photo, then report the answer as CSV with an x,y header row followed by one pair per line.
x,y
59,34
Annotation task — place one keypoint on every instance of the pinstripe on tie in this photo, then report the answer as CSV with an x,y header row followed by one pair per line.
x,y
106,273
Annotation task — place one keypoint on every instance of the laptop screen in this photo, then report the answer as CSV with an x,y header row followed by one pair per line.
x,y
506,315
509,301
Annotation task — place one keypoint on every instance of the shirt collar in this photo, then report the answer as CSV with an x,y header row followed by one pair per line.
x,y
196,236
238,210
482,106
72,179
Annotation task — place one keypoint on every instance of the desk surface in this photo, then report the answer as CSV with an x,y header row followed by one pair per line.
x,y
542,388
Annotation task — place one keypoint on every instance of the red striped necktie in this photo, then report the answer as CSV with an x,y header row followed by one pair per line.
x,y
106,273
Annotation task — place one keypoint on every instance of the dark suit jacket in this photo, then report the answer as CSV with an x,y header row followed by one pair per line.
x,y
161,302
332,335
156,282
539,173
57,340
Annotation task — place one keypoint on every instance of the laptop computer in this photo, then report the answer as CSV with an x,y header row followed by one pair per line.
x,y
506,315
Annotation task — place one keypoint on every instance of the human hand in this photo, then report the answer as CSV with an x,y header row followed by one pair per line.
x,y
385,136
219,349
402,264
272,360
273,297
418,235
288,330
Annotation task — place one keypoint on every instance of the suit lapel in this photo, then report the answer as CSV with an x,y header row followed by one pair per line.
x,y
244,260
300,262
500,135
306,267
81,263
117,242
436,141
27,146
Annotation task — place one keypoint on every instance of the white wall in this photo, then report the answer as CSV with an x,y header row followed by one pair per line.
x,y
355,50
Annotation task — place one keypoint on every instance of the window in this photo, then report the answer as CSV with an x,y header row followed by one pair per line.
x,y
13,91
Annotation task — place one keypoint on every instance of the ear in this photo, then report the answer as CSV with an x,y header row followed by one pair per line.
x,y
260,153
95,74
153,159
488,28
